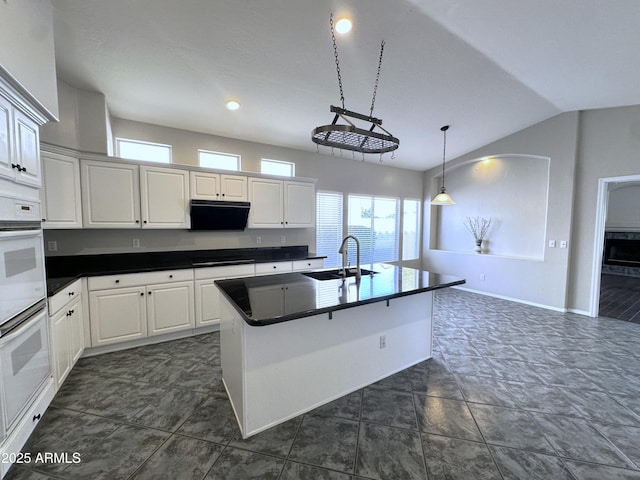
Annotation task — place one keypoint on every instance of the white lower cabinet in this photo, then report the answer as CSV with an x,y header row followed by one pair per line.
x,y
137,305
67,330
208,295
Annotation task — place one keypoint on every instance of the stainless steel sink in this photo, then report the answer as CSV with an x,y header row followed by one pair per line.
x,y
336,273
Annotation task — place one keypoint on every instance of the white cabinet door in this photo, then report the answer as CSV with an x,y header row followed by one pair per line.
x,y
27,154
7,168
204,186
170,307
60,346
165,197
117,315
61,197
76,330
299,205
266,197
207,303
110,195
233,188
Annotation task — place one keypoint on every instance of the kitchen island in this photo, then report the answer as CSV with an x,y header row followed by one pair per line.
x,y
291,342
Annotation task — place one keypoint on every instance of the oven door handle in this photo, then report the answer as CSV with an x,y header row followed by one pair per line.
x,y
21,322
19,233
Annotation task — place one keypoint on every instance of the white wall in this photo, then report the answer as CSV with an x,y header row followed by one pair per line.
x,y
540,281
27,48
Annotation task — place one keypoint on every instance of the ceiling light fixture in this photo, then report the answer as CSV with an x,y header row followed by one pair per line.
x,y
349,136
443,197
232,105
343,26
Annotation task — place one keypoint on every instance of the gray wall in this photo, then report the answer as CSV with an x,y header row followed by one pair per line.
x,y
26,48
540,281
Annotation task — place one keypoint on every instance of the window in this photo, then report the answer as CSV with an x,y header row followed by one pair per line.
x,y
375,222
329,227
410,229
222,161
277,167
146,151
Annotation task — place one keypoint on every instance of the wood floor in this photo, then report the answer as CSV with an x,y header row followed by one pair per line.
x,y
620,297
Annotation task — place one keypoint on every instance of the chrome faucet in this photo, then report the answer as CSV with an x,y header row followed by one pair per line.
x,y
343,251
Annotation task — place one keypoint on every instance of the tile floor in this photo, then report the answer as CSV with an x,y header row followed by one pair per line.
x,y
513,392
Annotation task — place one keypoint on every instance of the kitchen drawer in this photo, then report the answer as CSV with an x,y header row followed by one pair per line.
x,y
274,267
60,299
227,271
139,279
310,264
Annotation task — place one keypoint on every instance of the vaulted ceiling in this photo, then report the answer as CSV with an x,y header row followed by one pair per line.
x,y
488,68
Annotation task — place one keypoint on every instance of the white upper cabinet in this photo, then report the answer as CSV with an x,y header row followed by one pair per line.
x,y
110,195
281,204
61,197
120,195
19,146
215,186
164,197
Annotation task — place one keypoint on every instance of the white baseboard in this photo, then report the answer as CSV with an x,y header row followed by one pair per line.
x,y
512,299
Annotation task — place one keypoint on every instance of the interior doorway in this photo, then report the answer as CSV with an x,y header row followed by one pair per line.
x,y
616,284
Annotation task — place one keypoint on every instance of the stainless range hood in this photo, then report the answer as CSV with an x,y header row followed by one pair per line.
x,y
219,215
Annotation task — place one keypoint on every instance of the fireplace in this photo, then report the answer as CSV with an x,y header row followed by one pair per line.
x,y
622,251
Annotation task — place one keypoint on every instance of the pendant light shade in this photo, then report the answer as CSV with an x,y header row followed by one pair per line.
x,y
443,197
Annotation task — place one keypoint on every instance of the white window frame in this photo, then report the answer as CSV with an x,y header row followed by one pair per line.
x,y
264,161
418,228
120,140
220,154
333,259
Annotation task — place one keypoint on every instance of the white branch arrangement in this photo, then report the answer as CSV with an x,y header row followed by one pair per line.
x,y
477,226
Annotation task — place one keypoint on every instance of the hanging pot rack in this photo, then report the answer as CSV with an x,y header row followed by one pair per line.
x,y
348,136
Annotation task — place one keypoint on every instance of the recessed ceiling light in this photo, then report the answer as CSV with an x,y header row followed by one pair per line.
x,y
343,26
232,105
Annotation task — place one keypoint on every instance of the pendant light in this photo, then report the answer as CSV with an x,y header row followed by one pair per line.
x,y
443,197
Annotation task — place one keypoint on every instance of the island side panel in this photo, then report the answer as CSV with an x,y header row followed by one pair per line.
x,y
295,366
232,358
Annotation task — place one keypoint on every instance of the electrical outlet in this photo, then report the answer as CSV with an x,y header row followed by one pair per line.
x,y
282,239
383,341
482,277
136,243
552,244
258,239
52,246
563,244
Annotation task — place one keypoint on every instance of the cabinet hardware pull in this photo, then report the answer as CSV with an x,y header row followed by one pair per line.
x,y
69,313
44,219
145,221
24,169
142,294
137,221
13,165
72,293
170,276
150,293
275,266
36,417
117,281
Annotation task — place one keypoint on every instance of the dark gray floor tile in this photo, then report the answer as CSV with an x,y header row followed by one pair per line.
x,y
435,384
563,376
575,438
126,364
388,407
169,409
435,365
202,377
486,390
541,398
589,471
180,458
20,472
601,407
632,402
298,471
627,439
236,464
118,455
398,381
443,416
66,431
274,441
169,372
454,459
514,370
348,406
522,465
214,421
387,452
326,442
468,365
509,427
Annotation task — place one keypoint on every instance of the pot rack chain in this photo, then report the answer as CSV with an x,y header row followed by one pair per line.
x,y
375,86
335,54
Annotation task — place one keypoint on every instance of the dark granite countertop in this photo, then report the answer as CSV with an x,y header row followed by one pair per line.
x,y
62,270
279,298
